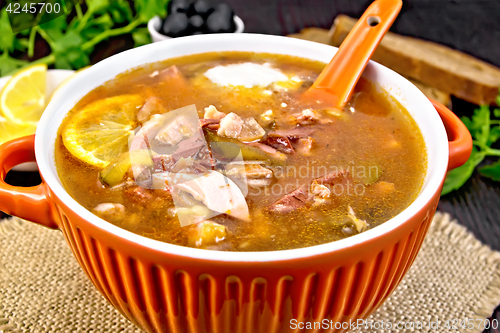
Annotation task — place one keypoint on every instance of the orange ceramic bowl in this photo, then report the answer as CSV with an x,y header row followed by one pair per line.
x,y
168,288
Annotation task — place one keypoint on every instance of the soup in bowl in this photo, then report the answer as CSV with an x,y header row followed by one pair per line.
x,y
200,198
219,151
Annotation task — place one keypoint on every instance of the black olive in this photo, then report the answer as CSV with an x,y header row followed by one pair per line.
x,y
221,21
176,25
224,8
182,6
203,7
196,22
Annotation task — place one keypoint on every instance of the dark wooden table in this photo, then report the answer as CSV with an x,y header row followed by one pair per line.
x,y
472,26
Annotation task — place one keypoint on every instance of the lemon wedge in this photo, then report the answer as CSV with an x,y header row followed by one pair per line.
x,y
10,130
99,132
22,99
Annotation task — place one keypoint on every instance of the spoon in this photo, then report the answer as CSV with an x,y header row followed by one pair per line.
x,y
336,82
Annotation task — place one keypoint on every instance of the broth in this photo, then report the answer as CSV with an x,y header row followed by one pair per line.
x,y
332,173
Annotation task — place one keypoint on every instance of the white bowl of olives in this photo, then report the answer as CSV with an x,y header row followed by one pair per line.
x,y
193,17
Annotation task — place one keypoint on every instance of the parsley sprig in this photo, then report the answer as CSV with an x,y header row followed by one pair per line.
x,y
71,43
485,132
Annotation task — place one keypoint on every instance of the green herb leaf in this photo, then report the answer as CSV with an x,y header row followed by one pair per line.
x,y
96,26
491,171
146,9
457,177
72,58
494,135
90,32
63,63
141,37
72,42
467,122
120,11
8,64
496,112
6,35
58,23
55,28
480,128
68,51
77,58
69,40
95,6
21,44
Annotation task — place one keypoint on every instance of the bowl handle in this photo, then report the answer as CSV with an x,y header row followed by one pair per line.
x,y
30,203
460,141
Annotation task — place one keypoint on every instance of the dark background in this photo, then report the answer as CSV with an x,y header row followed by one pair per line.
x,y
471,26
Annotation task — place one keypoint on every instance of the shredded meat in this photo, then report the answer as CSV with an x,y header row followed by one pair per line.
x,y
173,73
263,147
256,183
256,175
110,211
230,126
175,132
360,225
332,178
320,191
251,130
257,171
212,113
290,202
210,123
301,197
142,174
140,140
293,134
154,199
305,146
139,195
152,106
188,165
217,192
281,143
268,149
306,117
163,163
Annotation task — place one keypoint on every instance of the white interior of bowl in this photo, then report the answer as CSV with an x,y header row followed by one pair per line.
x,y
406,93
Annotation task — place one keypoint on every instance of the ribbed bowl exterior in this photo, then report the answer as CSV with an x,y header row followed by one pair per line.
x,y
162,292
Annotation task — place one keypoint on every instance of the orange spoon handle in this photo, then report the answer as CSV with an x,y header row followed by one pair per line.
x,y
339,77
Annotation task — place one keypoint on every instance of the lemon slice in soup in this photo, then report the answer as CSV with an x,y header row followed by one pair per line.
x,y
99,132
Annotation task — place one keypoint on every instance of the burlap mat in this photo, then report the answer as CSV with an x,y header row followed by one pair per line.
x,y
42,288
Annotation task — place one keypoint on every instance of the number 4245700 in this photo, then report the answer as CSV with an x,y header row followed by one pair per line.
x,y
15,8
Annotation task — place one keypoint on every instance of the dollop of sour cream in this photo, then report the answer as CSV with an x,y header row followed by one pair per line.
x,y
246,74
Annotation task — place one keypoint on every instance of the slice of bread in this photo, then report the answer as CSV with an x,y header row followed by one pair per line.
x,y
322,36
448,70
313,34
432,92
